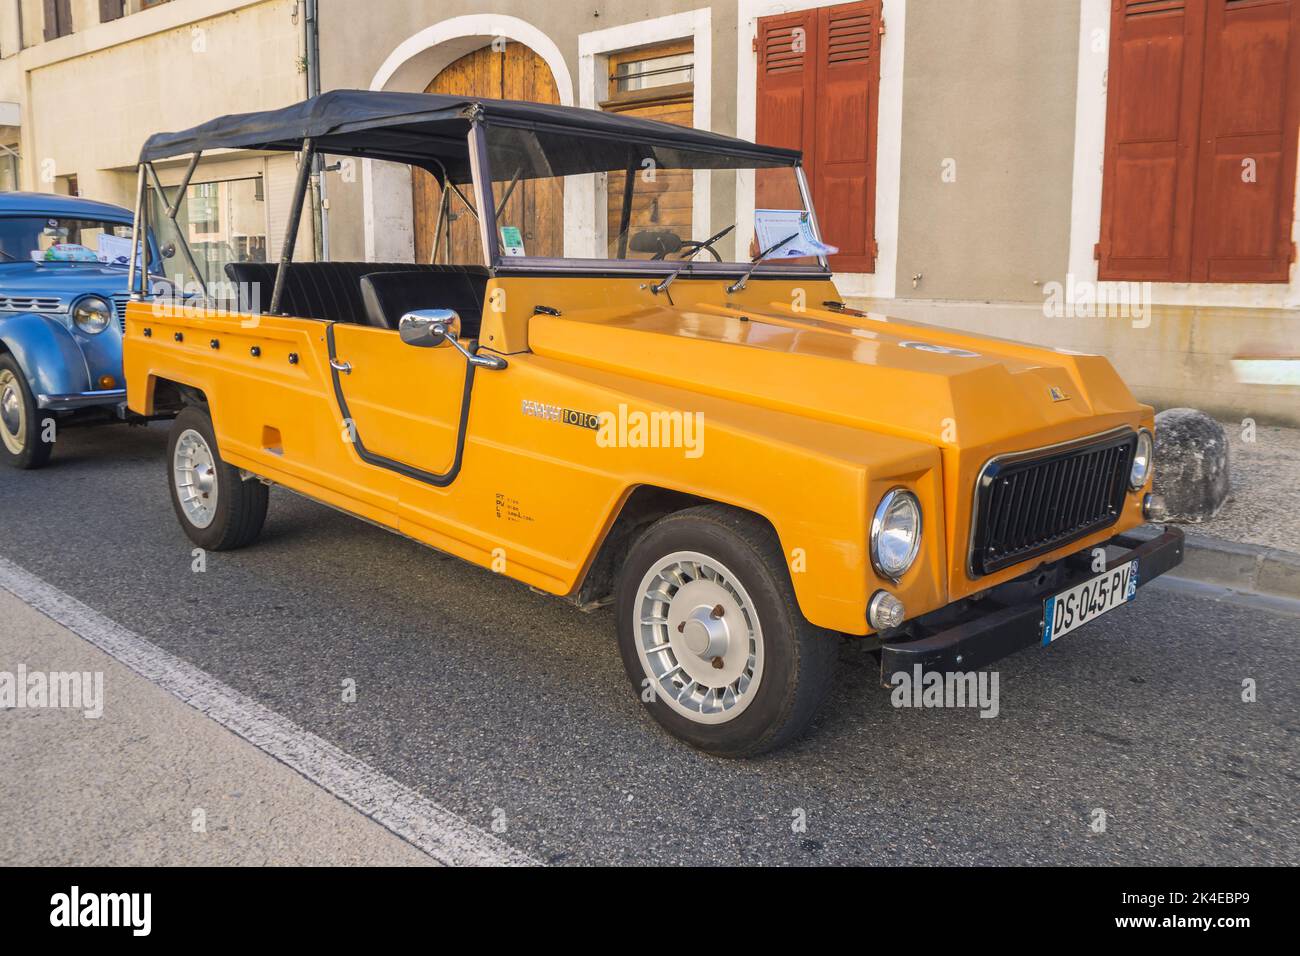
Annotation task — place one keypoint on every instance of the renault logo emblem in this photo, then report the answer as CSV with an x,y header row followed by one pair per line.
x,y
1057,394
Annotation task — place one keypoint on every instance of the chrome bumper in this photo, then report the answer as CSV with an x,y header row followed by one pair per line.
x,y
64,403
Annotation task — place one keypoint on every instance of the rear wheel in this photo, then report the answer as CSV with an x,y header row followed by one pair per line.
x,y
712,637
218,508
22,438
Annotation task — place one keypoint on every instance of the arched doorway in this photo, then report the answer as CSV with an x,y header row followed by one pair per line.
x,y
514,72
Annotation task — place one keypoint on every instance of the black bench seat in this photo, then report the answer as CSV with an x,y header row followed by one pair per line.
x,y
366,293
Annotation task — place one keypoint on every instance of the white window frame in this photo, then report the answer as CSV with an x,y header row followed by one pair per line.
x,y
584,207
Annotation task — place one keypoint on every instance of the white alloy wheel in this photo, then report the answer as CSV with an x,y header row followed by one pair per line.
x,y
194,471
698,637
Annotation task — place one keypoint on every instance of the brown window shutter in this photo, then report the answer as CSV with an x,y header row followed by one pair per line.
x,y
844,168
785,98
1247,165
817,92
1149,179
111,10
786,77
51,16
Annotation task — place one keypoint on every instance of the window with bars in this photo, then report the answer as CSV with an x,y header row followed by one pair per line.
x,y
660,75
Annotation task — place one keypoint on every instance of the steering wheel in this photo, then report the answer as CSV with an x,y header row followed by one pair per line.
x,y
694,248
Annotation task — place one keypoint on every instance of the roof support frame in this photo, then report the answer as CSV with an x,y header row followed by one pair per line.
x,y
306,160
138,235
173,209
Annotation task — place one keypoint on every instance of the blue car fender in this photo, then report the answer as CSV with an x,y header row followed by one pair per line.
x,y
49,356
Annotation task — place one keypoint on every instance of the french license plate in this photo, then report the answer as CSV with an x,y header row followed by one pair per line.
x,y
1089,600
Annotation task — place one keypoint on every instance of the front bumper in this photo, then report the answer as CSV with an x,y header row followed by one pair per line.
x,y
990,636
74,400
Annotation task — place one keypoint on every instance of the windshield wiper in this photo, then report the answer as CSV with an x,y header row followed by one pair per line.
x,y
744,280
663,284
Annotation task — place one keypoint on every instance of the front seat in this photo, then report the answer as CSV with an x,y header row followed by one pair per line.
x,y
390,295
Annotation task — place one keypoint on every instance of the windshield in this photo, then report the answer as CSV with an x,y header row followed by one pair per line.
x,y
218,222
589,198
57,239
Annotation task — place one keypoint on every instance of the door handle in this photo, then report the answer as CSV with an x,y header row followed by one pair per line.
x,y
339,366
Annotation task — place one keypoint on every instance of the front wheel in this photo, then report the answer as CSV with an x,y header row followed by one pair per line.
x,y
23,441
219,509
712,637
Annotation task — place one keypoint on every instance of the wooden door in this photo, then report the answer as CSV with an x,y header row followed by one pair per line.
x,y
514,72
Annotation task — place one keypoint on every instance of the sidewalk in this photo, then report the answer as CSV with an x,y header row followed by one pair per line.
x,y
123,789
1253,543
1263,506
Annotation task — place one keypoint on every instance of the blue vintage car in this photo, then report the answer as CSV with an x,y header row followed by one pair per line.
x,y
63,291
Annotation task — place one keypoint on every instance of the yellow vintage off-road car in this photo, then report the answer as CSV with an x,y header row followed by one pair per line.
x,y
622,374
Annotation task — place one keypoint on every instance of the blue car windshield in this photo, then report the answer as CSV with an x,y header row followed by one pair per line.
x,y
58,239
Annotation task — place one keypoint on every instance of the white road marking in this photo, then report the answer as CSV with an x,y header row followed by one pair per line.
x,y
442,834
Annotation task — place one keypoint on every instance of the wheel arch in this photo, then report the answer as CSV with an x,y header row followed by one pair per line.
x,y
45,350
641,506
171,395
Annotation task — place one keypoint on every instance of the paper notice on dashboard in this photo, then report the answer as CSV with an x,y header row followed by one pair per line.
x,y
115,250
773,225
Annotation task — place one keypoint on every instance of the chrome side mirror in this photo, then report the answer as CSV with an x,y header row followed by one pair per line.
x,y
429,328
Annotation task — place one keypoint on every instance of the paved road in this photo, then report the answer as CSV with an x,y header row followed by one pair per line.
x,y
151,781
501,704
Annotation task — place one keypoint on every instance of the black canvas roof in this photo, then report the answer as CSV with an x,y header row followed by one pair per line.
x,y
425,129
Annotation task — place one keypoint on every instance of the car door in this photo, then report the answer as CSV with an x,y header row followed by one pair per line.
x,y
401,406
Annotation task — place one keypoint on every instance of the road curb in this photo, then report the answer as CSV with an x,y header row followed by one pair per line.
x,y
1232,564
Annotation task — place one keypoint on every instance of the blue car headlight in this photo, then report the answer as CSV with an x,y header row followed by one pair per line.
x,y
92,314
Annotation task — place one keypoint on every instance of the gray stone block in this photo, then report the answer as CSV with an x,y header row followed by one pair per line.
x,y
1191,463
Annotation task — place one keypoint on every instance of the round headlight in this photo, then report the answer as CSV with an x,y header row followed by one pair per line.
x,y
896,533
1137,476
92,314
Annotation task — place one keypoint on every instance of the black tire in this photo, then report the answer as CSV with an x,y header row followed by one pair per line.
x,y
25,430
798,658
240,509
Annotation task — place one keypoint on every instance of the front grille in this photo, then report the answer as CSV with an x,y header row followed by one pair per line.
x,y
27,303
1031,503
119,308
